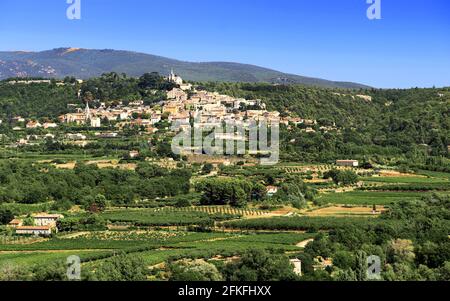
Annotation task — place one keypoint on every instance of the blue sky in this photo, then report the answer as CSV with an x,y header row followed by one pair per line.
x,y
332,39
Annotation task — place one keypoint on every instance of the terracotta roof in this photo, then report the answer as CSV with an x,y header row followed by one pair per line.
x,y
15,222
33,228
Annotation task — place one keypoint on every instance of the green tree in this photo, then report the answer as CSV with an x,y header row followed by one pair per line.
x,y
193,270
6,216
207,168
260,265
122,268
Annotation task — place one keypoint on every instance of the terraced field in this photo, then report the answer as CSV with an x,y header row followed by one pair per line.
x,y
154,217
369,197
154,246
406,180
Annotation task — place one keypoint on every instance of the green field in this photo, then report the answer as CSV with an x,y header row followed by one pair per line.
x,y
435,174
405,180
369,197
152,217
300,223
33,258
227,245
154,246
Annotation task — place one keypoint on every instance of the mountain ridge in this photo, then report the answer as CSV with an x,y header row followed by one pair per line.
x,y
85,63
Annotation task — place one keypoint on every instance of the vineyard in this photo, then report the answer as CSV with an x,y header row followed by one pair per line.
x,y
164,217
303,223
369,197
18,240
224,210
154,246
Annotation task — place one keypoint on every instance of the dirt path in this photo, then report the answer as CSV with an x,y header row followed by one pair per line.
x,y
303,244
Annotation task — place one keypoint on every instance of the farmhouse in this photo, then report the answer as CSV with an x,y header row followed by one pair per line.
x,y
271,190
34,230
321,263
18,119
347,163
297,263
134,154
33,125
15,223
44,219
49,125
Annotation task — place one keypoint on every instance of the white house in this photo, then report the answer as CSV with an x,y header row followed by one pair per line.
x,y
50,125
297,263
44,219
347,163
77,136
34,230
271,190
33,125
96,122
134,154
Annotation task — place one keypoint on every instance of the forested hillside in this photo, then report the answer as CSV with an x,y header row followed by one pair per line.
x,y
35,100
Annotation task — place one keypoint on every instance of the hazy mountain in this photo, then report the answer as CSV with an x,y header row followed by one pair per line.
x,y
85,63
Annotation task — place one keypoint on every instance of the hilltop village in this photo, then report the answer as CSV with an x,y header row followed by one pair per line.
x,y
185,104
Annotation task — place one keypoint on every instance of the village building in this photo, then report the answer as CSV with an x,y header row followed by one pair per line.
x,y
22,141
18,119
321,263
34,230
15,223
33,125
347,163
155,118
271,190
176,79
172,108
49,125
77,118
44,219
309,130
186,87
177,94
181,118
134,154
107,135
96,122
297,263
76,137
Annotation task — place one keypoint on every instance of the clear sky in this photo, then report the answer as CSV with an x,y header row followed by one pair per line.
x,y
331,39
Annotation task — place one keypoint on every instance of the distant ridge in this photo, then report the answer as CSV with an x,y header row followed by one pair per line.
x,y
86,63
